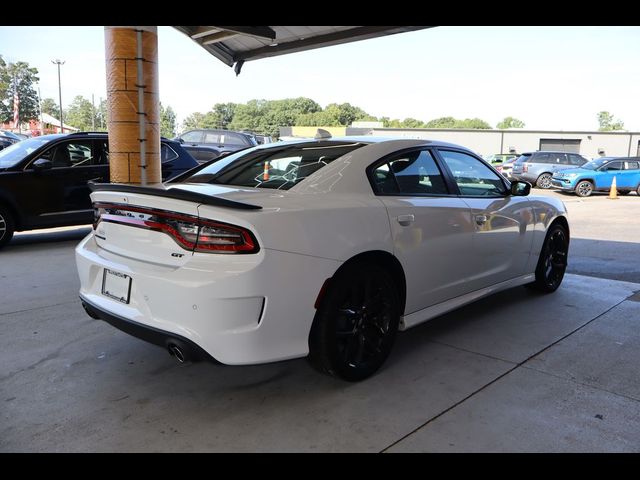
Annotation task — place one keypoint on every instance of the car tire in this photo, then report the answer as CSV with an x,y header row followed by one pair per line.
x,y
544,181
584,188
356,324
7,226
638,190
624,192
552,262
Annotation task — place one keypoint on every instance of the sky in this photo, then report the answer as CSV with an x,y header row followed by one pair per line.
x,y
551,78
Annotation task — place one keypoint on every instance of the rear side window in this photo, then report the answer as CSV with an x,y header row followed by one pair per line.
x,y
167,153
413,173
278,168
633,166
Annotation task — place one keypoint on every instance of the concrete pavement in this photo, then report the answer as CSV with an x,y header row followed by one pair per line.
x,y
515,372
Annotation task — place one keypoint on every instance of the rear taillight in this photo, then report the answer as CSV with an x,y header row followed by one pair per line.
x,y
525,167
188,231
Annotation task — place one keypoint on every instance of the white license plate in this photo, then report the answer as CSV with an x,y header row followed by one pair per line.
x,y
116,285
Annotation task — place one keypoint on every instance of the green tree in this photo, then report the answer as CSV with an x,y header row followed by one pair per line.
x,y
80,114
413,123
608,123
450,122
442,122
193,121
167,121
475,123
50,106
510,122
18,77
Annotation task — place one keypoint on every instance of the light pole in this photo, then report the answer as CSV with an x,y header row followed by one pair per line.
x,y
58,62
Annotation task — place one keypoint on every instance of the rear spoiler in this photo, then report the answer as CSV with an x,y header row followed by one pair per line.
x,y
176,193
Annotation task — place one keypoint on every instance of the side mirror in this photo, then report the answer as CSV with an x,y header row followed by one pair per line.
x,y
520,188
42,164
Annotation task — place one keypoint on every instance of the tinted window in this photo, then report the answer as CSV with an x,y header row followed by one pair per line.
x,y
576,160
413,173
523,158
279,168
613,166
11,155
234,139
71,154
541,158
472,176
558,159
192,137
633,165
167,153
213,137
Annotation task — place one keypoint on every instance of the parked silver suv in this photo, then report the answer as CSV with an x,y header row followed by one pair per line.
x,y
539,167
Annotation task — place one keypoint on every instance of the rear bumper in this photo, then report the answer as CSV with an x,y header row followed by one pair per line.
x,y
239,309
149,334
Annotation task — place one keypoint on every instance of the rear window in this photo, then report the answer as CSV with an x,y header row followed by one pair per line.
x,y
278,168
523,158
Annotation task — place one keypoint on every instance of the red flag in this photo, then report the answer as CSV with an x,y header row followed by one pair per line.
x,y
16,106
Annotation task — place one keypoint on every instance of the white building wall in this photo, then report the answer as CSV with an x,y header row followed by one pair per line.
x,y
486,142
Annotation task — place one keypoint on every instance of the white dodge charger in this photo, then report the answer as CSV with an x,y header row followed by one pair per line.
x,y
321,248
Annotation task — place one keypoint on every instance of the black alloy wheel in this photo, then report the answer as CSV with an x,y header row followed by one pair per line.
x,y
6,226
552,262
356,324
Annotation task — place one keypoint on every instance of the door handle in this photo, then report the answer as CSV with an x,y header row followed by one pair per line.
x,y
406,220
481,219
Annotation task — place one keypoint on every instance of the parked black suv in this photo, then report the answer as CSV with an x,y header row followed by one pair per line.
x,y
207,144
43,180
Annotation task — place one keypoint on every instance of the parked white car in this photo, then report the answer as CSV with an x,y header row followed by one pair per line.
x,y
320,247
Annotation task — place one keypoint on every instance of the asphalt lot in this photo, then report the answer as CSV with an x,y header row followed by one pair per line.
x,y
516,372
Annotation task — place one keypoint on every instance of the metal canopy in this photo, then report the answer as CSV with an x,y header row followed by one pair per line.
x,y
235,45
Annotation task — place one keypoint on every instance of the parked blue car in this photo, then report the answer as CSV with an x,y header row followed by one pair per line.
x,y
599,174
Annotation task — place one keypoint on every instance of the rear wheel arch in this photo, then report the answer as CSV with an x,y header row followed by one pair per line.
x,y
389,263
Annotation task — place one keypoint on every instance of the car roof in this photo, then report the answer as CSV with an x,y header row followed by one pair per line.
x,y
548,151
367,139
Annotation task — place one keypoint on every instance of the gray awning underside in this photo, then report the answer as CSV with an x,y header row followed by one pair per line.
x,y
235,45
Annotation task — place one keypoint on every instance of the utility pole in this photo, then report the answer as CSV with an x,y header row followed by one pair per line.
x,y
40,107
93,114
58,62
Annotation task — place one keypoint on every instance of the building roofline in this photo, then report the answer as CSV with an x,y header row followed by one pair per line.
x,y
510,130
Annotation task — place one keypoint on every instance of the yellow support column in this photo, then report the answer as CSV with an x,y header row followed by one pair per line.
x,y
133,102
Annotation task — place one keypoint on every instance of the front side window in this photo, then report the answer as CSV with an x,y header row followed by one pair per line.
x,y
612,166
413,173
473,177
11,155
71,154
277,168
